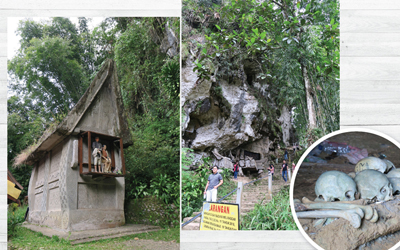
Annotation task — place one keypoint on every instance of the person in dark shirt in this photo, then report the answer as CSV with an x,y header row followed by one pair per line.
x,y
271,169
96,146
235,170
284,171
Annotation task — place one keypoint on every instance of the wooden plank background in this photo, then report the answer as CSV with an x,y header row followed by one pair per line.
x,y
3,132
370,87
370,66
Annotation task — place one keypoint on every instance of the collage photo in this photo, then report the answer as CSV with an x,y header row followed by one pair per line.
x,y
200,124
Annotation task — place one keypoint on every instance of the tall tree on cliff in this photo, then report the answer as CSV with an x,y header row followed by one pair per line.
x,y
299,18
293,45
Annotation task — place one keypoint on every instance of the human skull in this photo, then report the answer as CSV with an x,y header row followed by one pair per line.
x,y
371,163
394,179
373,185
335,186
389,165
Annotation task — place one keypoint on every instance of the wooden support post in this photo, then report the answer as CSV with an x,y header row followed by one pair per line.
x,y
270,185
112,155
89,151
121,145
80,154
239,195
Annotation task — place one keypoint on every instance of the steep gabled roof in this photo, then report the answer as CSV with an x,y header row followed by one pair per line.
x,y
53,136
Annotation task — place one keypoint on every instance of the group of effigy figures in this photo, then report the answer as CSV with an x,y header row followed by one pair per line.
x,y
100,155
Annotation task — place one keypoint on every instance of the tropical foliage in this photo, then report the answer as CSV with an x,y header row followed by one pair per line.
x,y
274,215
54,66
292,47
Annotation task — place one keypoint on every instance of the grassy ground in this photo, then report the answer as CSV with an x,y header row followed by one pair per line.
x,y
27,239
274,215
226,187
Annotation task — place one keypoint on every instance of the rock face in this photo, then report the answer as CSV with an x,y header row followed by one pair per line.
x,y
170,43
230,111
222,121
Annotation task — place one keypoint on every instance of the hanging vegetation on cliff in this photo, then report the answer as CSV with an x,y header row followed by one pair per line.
x,y
285,52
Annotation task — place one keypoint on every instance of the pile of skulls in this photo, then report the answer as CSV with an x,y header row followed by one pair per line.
x,y
374,180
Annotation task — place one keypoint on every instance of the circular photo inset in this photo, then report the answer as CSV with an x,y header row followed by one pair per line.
x,y
345,194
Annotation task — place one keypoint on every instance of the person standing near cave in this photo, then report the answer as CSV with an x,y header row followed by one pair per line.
x,y
235,170
271,169
284,171
214,181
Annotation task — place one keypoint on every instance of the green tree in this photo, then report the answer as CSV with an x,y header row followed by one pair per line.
x,y
53,68
291,46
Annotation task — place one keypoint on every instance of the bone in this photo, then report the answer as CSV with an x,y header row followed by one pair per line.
x,y
352,174
320,222
351,215
368,211
375,217
357,202
296,201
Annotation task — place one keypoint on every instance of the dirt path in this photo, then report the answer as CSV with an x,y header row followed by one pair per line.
x,y
117,244
145,245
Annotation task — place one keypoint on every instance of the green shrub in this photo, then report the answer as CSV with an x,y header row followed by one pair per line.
x,y
152,210
275,215
193,184
15,216
228,184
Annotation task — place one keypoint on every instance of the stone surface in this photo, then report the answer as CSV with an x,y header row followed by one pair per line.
x,y
169,44
231,111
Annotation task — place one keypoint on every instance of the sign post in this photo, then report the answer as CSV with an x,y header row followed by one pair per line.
x,y
219,216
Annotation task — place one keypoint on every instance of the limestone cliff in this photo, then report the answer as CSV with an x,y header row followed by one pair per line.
x,y
233,112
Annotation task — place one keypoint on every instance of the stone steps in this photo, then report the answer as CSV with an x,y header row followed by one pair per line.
x,y
84,240
252,195
78,237
192,226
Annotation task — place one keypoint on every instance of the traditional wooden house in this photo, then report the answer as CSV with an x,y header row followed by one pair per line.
x,y
64,192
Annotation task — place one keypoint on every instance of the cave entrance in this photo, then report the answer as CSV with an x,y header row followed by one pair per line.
x,y
255,156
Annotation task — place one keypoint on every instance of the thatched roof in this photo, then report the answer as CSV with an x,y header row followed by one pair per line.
x,y
56,134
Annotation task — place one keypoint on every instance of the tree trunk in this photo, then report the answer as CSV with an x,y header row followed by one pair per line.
x,y
312,119
285,120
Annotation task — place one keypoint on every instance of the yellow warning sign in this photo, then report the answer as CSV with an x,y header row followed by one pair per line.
x,y
12,191
219,216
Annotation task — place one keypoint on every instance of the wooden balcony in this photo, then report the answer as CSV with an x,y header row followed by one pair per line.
x,y
111,140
